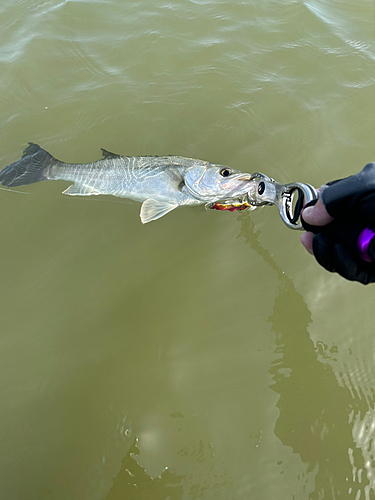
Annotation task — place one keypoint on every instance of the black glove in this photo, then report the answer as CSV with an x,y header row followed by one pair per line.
x,y
351,201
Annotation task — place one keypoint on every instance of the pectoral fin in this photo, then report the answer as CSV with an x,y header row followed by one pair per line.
x,y
152,209
80,190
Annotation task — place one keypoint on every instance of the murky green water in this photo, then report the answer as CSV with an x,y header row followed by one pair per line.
x,y
205,355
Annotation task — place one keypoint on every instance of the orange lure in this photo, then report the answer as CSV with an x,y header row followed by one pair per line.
x,y
231,207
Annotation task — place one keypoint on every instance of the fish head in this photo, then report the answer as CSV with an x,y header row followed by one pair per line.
x,y
211,182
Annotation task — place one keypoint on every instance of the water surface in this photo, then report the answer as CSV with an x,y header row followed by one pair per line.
x,y
205,355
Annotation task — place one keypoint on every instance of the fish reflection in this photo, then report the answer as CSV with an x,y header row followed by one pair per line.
x,y
316,412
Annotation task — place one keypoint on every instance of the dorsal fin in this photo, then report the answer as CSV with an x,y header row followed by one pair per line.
x,y
108,154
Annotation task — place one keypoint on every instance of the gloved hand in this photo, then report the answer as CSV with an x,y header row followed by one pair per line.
x,y
341,226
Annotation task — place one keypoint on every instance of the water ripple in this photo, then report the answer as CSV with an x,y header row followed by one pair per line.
x,y
344,26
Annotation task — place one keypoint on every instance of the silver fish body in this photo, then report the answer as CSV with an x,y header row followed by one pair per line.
x,y
162,183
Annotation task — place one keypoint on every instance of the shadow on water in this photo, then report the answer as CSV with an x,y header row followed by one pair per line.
x,y
314,409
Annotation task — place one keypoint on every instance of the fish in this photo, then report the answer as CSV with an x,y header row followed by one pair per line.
x,y
160,183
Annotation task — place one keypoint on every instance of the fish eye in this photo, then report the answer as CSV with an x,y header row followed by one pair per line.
x,y
225,172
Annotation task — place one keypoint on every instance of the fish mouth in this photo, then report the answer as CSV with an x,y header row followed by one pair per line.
x,y
236,178
238,184
238,187
242,176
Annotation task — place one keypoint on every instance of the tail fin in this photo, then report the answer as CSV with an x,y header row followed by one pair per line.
x,y
33,167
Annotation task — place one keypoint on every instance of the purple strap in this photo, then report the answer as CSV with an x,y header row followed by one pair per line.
x,y
363,242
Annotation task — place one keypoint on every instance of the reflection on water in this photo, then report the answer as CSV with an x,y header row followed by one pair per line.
x,y
319,417
176,356
133,482
316,412
364,438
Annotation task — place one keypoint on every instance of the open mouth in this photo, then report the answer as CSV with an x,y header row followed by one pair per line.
x,y
239,183
241,177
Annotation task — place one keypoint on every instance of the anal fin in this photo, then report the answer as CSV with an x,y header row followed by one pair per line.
x,y
80,190
152,209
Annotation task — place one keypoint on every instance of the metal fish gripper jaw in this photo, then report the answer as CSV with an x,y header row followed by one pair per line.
x,y
288,198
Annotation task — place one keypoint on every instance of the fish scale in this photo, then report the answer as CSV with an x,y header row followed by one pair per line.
x,y
161,183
